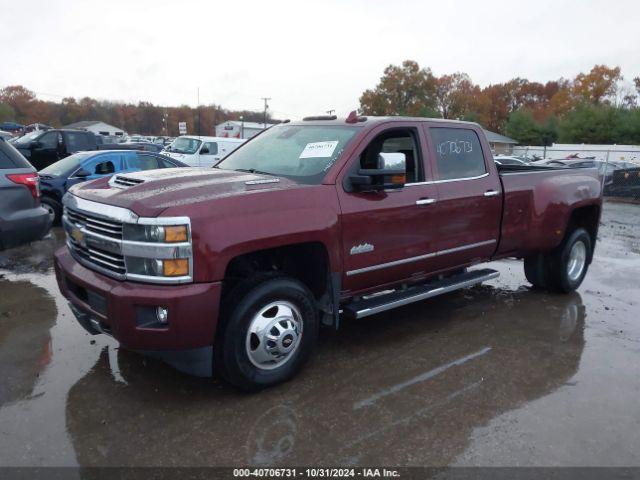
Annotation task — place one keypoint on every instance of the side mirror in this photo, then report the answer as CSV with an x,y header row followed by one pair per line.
x,y
204,151
36,144
391,173
82,173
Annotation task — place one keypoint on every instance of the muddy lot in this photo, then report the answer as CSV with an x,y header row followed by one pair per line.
x,y
493,375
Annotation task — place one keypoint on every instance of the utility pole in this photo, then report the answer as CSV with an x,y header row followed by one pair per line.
x,y
198,111
330,112
266,99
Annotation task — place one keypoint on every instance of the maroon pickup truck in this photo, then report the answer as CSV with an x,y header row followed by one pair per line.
x,y
233,269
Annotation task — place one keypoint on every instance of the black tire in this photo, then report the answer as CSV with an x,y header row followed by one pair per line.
x,y
551,270
54,206
534,270
232,360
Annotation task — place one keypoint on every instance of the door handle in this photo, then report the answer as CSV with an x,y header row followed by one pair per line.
x,y
425,201
491,193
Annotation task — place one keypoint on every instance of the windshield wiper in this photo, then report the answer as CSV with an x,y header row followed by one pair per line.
x,y
252,170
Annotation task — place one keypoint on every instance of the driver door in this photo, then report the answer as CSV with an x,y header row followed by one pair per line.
x,y
387,236
45,151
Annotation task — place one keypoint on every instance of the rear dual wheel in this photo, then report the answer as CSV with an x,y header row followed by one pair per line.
x,y
563,269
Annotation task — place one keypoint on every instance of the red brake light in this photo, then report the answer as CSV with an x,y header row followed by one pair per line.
x,y
30,180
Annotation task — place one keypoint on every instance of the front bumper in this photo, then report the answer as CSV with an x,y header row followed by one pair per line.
x,y
118,308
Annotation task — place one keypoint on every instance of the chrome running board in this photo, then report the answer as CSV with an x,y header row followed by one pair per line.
x,y
376,304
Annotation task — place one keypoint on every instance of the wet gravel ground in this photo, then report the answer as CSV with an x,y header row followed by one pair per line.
x,y
492,375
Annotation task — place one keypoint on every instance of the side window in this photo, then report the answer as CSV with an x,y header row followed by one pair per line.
x,y
49,140
402,140
77,141
105,168
458,152
143,162
212,147
165,164
102,165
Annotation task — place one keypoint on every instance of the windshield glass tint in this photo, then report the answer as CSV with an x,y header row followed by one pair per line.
x,y
27,138
65,166
302,153
185,145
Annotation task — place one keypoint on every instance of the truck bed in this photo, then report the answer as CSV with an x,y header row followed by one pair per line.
x,y
538,200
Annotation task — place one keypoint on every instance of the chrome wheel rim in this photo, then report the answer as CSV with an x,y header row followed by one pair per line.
x,y
50,211
577,260
274,335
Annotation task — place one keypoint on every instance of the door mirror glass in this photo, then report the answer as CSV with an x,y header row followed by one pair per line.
x,y
204,151
391,173
394,162
82,173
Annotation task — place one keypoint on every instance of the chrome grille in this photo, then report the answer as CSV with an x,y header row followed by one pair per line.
x,y
106,260
101,226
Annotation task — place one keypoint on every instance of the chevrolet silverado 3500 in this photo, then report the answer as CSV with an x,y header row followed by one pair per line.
x,y
233,269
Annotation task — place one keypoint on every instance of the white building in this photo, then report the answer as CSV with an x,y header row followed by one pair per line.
x,y
238,129
99,128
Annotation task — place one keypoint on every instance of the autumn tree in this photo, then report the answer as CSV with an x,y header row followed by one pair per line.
x,y
402,90
454,95
19,99
598,86
6,113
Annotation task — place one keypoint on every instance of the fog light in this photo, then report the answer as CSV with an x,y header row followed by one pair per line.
x,y
163,314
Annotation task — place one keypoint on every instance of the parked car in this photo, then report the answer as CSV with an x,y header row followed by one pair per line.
x,y
22,219
625,182
202,151
12,127
605,169
144,146
509,160
36,127
80,167
310,222
44,148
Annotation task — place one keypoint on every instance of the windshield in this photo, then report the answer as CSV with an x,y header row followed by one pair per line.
x,y
65,166
185,145
28,137
300,152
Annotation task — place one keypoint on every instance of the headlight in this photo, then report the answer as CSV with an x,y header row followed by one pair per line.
x,y
158,250
155,267
155,233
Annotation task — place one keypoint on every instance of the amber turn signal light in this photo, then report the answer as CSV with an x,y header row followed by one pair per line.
x,y
398,179
176,267
175,234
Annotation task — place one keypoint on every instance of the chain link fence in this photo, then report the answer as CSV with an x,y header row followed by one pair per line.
x,y
620,169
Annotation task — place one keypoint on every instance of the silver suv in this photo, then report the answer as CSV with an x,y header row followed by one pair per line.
x,y
22,219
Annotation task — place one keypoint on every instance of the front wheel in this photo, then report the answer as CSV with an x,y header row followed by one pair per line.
x,y
269,332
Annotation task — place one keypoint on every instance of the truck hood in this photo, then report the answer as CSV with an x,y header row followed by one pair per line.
x,y
148,193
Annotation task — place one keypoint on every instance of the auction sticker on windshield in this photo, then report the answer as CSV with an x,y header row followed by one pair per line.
x,y
319,149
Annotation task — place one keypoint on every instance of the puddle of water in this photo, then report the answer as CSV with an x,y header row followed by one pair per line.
x,y
434,383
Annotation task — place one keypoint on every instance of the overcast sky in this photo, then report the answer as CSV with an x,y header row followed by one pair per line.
x,y
308,56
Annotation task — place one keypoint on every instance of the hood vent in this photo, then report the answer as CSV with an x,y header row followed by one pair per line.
x,y
118,181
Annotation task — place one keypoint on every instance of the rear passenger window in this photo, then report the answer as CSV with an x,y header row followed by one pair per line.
x,y
11,158
143,162
78,142
458,152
